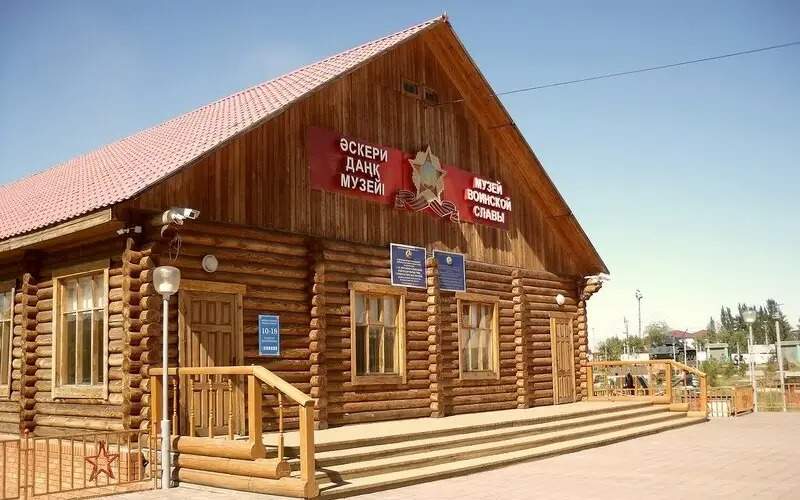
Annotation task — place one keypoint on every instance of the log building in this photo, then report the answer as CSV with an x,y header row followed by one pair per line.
x,y
302,183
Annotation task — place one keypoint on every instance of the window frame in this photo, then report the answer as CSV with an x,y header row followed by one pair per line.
x,y
493,302
9,286
60,389
373,289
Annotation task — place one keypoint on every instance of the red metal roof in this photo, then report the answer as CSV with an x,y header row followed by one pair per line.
x,y
121,170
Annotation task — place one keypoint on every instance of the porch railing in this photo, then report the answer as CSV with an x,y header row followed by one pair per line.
x,y
210,424
660,381
730,401
771,399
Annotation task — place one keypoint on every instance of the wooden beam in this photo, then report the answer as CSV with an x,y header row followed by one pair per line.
x,y
94,220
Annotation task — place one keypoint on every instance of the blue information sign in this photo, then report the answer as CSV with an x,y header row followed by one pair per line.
x,y
408,266
269,335
452,275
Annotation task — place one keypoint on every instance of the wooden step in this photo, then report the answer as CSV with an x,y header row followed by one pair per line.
x,y
433,456
291,450
397,478
425,443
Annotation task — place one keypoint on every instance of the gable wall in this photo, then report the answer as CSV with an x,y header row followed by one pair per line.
x,y
261,178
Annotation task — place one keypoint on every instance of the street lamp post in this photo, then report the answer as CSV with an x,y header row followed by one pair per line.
x,y
166,279
749,316
639,297
777,316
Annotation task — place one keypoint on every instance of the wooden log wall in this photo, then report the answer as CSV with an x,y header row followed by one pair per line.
x,y
581,326
144,348
347,403
318,338
24,353
305,281
278,272
540,290
467,395
438,386
64,415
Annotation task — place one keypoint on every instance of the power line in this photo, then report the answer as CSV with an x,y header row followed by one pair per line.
x,y
640,70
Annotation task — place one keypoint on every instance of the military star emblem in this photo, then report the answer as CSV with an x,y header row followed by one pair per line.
x,y
428,175
102,462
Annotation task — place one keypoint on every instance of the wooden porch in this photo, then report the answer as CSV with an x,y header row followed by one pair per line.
x,y
357,458
360,458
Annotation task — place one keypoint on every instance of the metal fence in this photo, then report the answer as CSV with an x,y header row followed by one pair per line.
x,y
80,465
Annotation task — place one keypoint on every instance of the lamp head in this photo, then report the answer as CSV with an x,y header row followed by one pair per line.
x,y
166,279
560,299
749,316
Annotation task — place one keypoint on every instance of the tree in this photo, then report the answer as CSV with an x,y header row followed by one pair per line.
x,y
711,330
636,344
611,349
656,333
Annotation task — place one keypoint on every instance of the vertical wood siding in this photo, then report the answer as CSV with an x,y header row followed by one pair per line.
x,y
261,178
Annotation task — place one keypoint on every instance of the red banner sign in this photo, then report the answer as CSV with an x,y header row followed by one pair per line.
x,y
417,182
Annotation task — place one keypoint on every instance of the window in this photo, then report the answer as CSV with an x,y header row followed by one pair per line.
x,y
478,349
377,333
6,330
430,96
80,341
410,88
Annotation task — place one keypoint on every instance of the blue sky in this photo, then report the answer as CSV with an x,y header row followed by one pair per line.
x,y
685,179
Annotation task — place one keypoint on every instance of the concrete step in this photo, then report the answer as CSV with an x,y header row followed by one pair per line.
x,y
341,456
291,451
413,475
432,456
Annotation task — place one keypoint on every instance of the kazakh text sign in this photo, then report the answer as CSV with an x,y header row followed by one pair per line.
x,y
452,273
408,266
269,335
417,182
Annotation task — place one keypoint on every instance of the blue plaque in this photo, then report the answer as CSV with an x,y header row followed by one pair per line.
x,y
408,266
452,274
269,335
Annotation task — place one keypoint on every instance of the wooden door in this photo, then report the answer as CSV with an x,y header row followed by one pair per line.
x,y
563,360
210,335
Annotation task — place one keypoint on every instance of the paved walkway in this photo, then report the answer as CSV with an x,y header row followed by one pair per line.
x,y
753,456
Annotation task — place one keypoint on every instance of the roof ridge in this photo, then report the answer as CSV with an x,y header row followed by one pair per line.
x,y
82,155
121,169
321,61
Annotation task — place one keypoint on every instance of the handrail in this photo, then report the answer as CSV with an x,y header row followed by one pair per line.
x,y
261,373
256,376
670,365
687,368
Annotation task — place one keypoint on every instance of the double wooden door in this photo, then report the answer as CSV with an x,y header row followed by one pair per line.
x,y
563,354
210,335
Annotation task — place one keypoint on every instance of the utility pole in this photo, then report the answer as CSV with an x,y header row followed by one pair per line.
x,y
777,316
639,297
627,340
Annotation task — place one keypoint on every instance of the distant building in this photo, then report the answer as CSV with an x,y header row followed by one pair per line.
x,y
718,351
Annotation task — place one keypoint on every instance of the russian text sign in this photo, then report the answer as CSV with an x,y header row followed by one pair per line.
x,y
269,335
416,182
452,272
408,266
